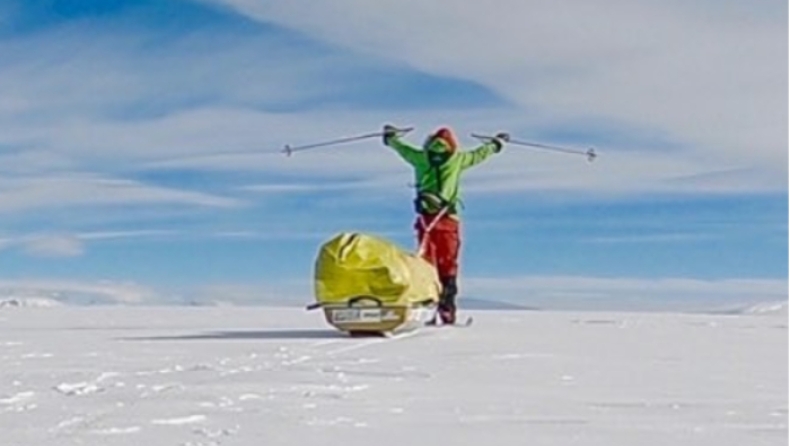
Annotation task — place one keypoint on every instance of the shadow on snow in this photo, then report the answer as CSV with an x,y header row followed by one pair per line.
x,y
248,334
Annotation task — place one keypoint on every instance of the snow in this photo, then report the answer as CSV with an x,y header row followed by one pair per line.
x,y
769,308
281,376
38,302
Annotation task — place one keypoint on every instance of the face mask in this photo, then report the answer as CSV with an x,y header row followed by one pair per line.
x,y
437,158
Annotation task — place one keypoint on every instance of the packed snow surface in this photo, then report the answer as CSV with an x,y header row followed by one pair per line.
x,y
29,302
281,376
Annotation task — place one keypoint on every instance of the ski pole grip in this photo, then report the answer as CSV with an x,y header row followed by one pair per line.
x,y
483,137
405,130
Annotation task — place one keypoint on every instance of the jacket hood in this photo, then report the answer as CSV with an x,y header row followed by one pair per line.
x,y
442,141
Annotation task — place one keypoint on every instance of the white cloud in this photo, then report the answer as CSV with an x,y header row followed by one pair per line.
x,y
571,293
70,244
79,292
280,293
273,234
712,78
653,238
596,293
617,173
45,72
19,194
32,161
112,235
54,246
705,79
211,138
516,169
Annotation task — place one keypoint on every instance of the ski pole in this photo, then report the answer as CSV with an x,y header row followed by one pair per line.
x,y
288,150
590,153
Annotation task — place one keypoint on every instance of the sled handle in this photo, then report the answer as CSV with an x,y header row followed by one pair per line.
x,y
354,300
351,302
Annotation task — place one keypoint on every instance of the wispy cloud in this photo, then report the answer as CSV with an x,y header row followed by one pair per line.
x,y
276,293
79,292
563,293
27,193
600,293
64,244
714,81
75,244
197,101
652,238
54,246
115,235
616,171
171,116
148,71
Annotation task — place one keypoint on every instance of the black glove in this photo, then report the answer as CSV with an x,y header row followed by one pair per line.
x,y
388,133
500,139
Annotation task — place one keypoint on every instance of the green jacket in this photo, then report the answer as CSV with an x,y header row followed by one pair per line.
x,y
441,179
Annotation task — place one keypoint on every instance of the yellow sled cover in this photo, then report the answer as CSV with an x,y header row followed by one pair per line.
x,y
356,270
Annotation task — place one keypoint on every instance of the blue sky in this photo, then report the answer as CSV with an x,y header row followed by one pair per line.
x,y
139,146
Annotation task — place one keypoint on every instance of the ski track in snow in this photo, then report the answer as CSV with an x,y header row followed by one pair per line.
x,y
123,392
192,419
553,378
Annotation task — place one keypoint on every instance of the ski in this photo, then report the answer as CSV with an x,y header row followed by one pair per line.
x,y
465,323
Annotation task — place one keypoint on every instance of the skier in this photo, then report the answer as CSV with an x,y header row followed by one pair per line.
x,y
438,167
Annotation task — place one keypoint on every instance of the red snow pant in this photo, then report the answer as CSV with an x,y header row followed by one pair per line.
x,y
442,243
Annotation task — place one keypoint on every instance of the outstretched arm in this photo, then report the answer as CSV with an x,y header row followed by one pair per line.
x,y
478,155
411,154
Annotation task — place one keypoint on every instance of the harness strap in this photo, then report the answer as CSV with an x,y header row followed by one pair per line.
x,y
431,203
428,228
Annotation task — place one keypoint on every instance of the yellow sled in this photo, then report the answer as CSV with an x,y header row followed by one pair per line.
x,y
368,285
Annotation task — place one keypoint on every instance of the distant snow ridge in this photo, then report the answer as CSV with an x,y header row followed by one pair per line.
x,y
29,302
210,303
768,308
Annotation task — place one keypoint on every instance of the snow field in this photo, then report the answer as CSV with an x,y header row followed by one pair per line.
x,y
281,376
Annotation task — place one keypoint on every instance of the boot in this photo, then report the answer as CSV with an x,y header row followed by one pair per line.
x,y
447,300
